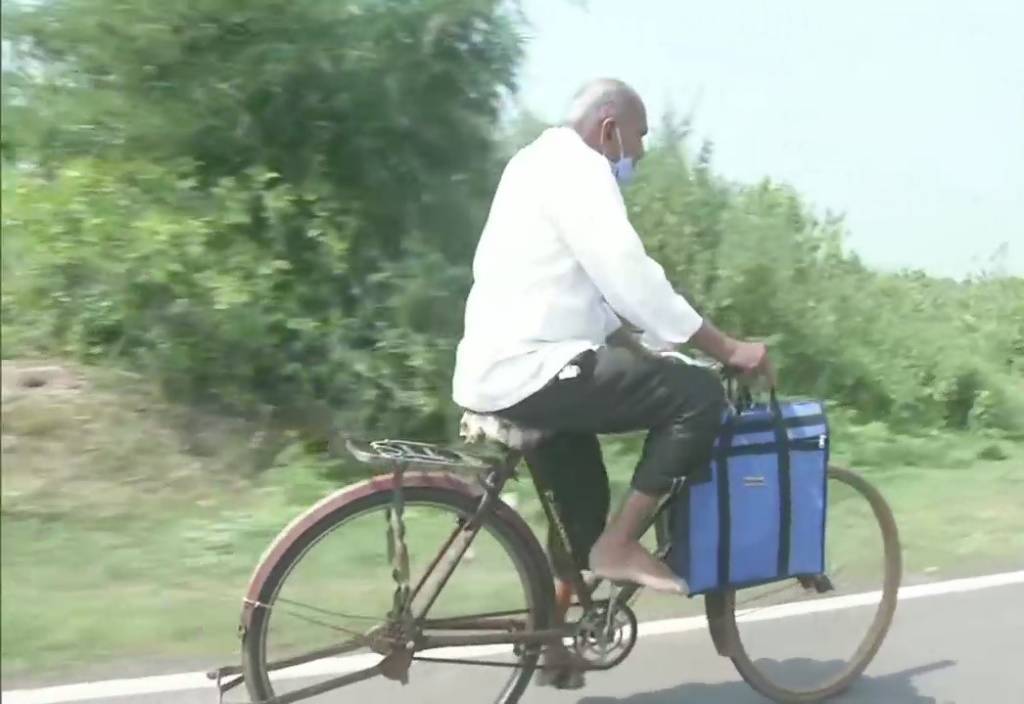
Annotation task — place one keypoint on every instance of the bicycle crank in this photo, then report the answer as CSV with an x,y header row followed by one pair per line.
x,y
605,636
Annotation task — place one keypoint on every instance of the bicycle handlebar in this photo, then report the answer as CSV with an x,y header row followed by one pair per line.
x,y
738,391
724,370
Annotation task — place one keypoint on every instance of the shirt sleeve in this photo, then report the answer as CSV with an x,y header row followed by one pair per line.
x,y
589,212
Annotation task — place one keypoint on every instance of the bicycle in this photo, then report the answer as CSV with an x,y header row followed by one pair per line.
x,y
423,477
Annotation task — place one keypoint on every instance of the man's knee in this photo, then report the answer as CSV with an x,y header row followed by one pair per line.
x,y
700,396
683,444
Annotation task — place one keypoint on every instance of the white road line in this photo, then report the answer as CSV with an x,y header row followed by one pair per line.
x,y
85,691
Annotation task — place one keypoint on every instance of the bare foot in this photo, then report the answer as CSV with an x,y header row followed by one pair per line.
x,y
628,561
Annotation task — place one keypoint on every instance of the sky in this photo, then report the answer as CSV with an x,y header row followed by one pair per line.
x,y
906,116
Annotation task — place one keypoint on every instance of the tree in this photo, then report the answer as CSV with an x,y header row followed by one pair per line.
x,y
336,159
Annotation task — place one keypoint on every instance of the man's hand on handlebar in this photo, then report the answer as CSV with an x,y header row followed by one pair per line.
x,y
750,360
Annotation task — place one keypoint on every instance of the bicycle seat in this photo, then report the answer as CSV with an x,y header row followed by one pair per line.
x,y
477,427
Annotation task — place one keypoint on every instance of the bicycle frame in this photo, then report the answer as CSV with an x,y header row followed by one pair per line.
x,y
429,586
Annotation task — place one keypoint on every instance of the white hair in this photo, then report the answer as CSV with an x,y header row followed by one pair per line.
x,y
599,99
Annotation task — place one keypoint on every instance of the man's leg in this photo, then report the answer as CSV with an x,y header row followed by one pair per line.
x,y
616,391
675,447
572,466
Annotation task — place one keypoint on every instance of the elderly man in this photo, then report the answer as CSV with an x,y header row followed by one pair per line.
x,y
557,270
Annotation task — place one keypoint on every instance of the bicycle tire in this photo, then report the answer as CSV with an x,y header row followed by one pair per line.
x,y
876,633
529,560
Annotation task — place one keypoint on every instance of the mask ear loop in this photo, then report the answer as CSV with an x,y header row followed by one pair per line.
x,y
604,122
618,138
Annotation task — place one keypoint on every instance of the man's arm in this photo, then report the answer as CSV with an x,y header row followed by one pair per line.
x,y
750,358
591,217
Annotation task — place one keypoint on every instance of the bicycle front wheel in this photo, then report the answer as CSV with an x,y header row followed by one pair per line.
x,y
803,641
326,610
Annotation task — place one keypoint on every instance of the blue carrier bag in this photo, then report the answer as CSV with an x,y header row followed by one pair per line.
x,y
758,514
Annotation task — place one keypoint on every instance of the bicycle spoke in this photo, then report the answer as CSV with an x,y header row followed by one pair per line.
x,y
318,622
327,612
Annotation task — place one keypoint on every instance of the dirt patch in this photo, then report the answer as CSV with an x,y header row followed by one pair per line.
x,y
21,378
95,441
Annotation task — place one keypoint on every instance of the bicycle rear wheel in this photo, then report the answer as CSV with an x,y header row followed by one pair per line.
x,y
793,643
327,599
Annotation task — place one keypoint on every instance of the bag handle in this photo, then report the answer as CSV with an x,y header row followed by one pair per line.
x,y
744,397
785,488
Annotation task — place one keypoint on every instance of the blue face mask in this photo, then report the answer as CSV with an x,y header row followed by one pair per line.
x,y
624,169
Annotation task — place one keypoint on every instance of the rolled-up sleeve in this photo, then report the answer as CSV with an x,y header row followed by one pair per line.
x,y
589,212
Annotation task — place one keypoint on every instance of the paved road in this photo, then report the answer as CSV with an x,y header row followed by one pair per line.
x,y
960,648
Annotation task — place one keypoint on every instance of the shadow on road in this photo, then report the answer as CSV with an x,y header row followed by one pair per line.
x,y
896,688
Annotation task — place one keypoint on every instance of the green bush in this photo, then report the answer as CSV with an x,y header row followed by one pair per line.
x,y
224,309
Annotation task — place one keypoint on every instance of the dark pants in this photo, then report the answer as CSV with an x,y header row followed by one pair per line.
x,y
615,390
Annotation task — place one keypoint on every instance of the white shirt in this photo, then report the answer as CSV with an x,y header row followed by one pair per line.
x,y
557,260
